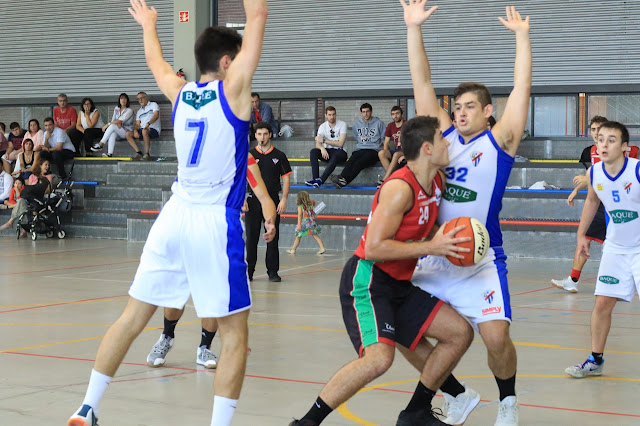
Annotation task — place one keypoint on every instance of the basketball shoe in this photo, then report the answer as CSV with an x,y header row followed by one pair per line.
x,y
508,412
156,357
425,417
83,417
458,408
566,284
206,358
587,368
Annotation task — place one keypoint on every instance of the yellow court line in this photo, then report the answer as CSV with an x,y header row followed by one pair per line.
x,y
82,340
554,161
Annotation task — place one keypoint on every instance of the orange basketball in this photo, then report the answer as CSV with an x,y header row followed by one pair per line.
x,y
479,244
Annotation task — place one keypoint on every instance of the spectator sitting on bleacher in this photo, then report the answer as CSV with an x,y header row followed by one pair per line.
x,y
58,143
64,115
16,135
261,111
368,132
329,147
14,196
6,183
116,129
25,159
391,155
35,134
147,126
88,126
4,143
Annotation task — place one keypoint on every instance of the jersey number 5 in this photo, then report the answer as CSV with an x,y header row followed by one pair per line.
x,y
200,126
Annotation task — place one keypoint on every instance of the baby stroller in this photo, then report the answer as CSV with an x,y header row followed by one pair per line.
x,y
43,214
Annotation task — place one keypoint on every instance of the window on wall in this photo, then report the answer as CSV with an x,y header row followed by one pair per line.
x,y
555,116
499,105
411,108
622,108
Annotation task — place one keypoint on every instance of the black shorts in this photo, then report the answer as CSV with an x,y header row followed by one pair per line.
x,y
598,229
377,308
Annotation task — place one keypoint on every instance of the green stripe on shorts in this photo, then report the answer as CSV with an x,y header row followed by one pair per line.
x,y
365,312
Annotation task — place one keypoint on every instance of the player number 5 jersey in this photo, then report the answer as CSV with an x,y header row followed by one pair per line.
x,y
621,198
212,146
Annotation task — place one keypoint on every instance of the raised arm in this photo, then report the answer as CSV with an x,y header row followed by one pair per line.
x,y
508,131
237,83
168,82
424,93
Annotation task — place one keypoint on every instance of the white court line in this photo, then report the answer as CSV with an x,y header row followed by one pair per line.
x,y
302,267
126,268
294,315
290,292
71,277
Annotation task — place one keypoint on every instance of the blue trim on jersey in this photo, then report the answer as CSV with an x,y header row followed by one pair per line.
x,y
231,117
638,171
448,131
201,85
239,296
503,170
461,139
501,265
175,106
591,175
613,179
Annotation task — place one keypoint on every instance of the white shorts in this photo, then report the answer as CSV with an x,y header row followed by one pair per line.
x,y
198,250
480,292
619,275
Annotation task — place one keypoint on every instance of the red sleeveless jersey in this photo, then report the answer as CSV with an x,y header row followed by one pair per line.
x,y
632,152
415,226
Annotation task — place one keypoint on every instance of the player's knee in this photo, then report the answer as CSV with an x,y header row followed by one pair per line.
x,y
145,132
379,359
497,341
604,304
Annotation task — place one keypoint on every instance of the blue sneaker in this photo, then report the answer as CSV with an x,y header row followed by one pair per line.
x,y
83,417
587,368
315,183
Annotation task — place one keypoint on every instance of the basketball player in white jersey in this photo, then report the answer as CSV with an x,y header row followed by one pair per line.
x,y
481,161
195,246
614,181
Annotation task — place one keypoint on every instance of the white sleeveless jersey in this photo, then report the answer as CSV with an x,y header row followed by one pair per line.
x,y
620,196
477,176
212,146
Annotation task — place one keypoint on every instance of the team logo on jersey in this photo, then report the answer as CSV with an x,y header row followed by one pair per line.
x,y
608,280
627,187
196,100
475,157
421,195
623,216
488,296
458,194
599,186
275,160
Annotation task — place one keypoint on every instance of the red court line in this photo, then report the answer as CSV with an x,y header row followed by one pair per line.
x,y
63,303
71,268
572,310
281,379
532,291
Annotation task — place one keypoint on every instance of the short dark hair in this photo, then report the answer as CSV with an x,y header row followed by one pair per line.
x,y
330,108
263,125
20,179
93,106
397,108
36,121
365,106
617,126
214,43
4,127
63,95
598,119
480,90
48,120
14,125
143,93
255,95
415,132
126,96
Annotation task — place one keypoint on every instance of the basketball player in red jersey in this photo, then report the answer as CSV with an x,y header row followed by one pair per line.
x,y
598,228
380,306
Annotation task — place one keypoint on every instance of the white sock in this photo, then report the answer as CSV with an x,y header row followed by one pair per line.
x,y
97,385
223,409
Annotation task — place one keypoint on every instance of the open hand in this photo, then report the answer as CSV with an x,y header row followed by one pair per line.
x,y
144,15
325,153
282,206
514,21
572,196
583,247
580,179
415,13
445,244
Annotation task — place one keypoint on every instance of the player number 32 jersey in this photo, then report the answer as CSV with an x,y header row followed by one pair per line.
x,y
621,198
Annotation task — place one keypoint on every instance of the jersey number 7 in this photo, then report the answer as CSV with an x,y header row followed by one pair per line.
x,y
200,126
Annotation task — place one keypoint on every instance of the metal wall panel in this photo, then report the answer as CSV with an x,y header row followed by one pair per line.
x,y
89,48
345,46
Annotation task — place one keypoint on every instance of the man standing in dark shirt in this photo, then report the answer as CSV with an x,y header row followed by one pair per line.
x,y
273,165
